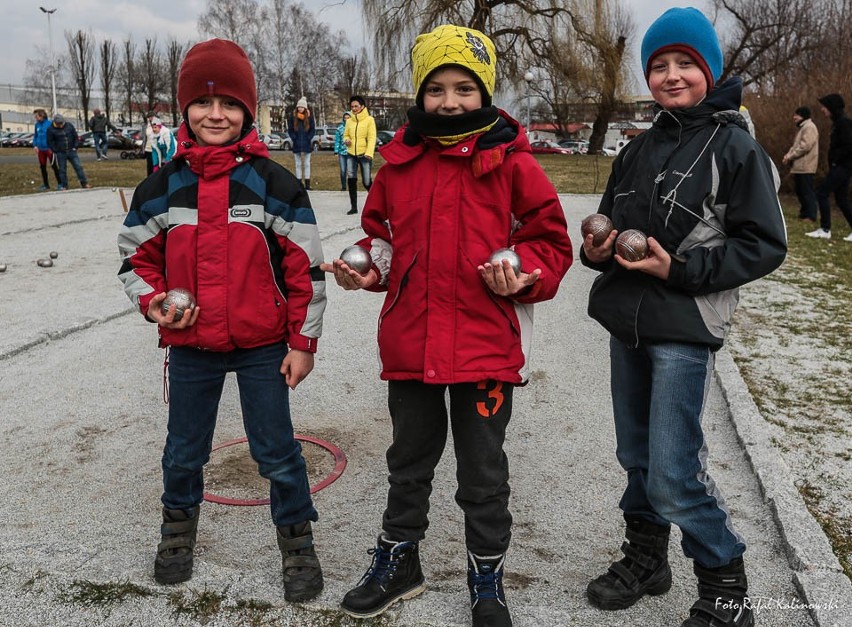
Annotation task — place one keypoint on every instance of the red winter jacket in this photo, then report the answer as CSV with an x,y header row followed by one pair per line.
x,y
432,216
237,230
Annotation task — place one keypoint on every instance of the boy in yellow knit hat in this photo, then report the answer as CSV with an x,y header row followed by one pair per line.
x,y
459,183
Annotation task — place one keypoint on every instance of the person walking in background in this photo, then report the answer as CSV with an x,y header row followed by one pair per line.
x,y
62,140
341,151
148,140
461,183
236,229
301,127
42,149
163,144
704,193
360,139
839,167
98,124
803,158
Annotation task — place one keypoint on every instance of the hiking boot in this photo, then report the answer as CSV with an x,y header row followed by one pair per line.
x,y
174,553
644,569
394,575
722,597
300,566
485,582
308,184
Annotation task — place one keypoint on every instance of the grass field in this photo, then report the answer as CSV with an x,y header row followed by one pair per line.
x,y
573,174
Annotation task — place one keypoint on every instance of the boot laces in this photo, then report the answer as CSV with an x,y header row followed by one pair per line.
x,y
485,582
384,565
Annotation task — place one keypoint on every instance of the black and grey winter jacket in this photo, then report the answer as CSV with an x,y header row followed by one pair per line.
x,y
707,192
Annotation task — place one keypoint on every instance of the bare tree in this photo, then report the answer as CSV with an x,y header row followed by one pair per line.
x,y
127,77
151,75
174,55
763,37
109,66
81,53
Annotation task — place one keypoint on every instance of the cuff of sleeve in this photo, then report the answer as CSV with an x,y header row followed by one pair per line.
x,y
303,343
600,267
677,273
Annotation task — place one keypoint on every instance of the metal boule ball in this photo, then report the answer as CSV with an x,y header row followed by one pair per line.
x,y
497,257
181,298
357,258
632,245
2,267
598,226
54,254
114,189
45,263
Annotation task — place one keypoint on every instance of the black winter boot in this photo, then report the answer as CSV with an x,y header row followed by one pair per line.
x,y
300,567
174,553
644,569
485,582
352,185
722,597
308,184
394,575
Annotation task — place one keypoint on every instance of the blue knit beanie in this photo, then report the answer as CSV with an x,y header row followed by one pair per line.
x,y
684,30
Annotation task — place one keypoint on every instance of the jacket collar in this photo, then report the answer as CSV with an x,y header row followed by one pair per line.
x,y
487,150
212,161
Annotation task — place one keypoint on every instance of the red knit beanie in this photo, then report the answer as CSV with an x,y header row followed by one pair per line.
x,y
217,67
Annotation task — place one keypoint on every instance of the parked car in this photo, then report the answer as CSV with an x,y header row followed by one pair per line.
x,y
384,137
324,137
272,141
547,147
578,146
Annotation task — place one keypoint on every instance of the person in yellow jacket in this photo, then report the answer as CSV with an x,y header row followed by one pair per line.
x,y
360,139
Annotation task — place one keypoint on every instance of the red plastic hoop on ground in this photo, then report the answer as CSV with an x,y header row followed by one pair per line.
x,y
339,466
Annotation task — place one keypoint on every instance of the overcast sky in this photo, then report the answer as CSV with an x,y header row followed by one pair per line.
x,y
25,27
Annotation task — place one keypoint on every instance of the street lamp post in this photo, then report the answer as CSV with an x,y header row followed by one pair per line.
x,y
528,77
50,12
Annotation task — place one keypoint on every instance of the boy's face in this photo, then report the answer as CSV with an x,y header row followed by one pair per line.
x,y
451,91
676,81
216,120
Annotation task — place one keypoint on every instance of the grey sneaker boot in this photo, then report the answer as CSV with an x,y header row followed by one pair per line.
x,y
300,567
174,553
644,569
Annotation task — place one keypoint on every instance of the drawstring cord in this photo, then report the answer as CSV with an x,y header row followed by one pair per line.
x,y
166,376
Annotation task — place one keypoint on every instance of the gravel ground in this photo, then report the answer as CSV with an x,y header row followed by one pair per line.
x,y
83,425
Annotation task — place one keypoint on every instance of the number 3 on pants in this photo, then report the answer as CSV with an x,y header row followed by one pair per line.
x,y
495,394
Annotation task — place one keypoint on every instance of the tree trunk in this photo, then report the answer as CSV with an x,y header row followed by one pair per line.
x,y
612,63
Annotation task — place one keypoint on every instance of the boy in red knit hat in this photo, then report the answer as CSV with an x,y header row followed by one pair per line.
x,y
237,230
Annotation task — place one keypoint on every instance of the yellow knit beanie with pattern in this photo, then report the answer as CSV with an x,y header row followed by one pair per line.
x,y
454,46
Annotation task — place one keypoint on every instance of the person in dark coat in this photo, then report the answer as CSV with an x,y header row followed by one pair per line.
x,y
839,167
62,140
704,193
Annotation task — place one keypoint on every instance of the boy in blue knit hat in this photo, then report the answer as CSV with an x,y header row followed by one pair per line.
x,y
705,194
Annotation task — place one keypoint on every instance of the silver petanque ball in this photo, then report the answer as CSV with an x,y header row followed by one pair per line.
x,y
45,263
497,257
181,298
357,258
54,254
2,267
114,189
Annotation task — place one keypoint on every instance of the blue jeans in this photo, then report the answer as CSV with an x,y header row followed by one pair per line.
x,y
196,379
365,164
659,393
101,144
62,159
342,160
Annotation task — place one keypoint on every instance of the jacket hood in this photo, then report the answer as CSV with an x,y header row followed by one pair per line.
x,y
489,147
722,105
212,161
834,103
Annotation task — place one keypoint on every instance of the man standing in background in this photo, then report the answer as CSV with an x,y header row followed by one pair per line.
x,y
99,125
